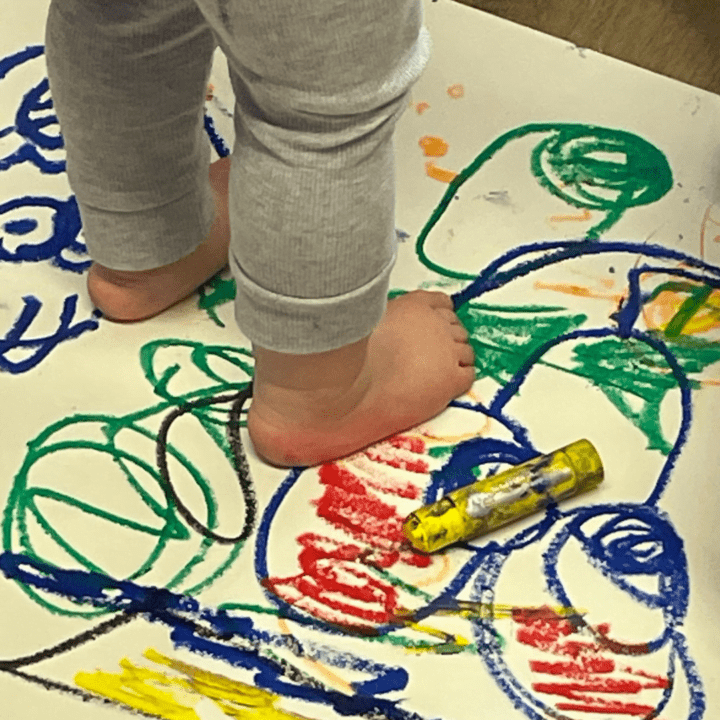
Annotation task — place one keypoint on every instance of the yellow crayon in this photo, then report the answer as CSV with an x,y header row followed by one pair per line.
x,y
488,504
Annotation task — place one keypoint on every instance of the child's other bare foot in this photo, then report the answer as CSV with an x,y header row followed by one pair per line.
x,y
128,296
309,409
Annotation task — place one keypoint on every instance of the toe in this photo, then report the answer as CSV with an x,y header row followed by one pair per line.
x,y
449,315
459,333
437,300
464,380
465,355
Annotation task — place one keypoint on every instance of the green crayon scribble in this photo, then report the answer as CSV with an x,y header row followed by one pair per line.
x,y
587,166
395,637
216,291
627,369
105,435
633,376
503,337
691,306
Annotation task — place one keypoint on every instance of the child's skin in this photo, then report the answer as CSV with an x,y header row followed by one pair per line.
x,y
316,407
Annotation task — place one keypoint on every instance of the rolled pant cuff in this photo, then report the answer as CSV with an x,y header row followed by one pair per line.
x,y
308,325
148,238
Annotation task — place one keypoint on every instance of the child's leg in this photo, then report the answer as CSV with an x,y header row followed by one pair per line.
x,y
320,406
319,87
128,81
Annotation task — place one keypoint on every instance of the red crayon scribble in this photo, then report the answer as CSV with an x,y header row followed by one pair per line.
x,y
407,442
376,477
401,459
336,582
543,633
610,708
351,507
333,585
575,691
361,515
584,667
592,674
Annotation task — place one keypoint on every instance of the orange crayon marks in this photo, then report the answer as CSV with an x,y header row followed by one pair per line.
x,y
710,228
585,215
579,291
438,173
210,92
421,107
456,91
433,146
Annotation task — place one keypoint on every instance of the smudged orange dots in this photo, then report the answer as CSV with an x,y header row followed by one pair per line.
x,y
456,91
210,91
438,173
421,107
433,146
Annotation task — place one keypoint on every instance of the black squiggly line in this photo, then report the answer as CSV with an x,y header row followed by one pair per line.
x,y
239,460
67,645
54,686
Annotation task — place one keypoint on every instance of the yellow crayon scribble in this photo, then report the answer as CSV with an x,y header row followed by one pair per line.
x,y
660,311
421,107
457,641
496,611
437,173
175,697
433,146
456,91
586,215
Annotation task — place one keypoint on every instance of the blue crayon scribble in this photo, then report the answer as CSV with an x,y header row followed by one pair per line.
x,y
34,122
40,346
63,236
219,634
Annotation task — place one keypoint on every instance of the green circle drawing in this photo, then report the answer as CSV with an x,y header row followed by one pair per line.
x,y
587,166
601,169
22,505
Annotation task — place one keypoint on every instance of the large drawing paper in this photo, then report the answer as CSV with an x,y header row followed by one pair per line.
x,y
152,565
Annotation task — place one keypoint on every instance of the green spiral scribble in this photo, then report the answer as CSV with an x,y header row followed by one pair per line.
x,y
587,166
601,169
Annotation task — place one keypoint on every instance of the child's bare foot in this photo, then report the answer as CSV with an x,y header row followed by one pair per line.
x,y
309,409
128,296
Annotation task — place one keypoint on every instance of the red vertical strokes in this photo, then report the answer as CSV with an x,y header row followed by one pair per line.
x,y
591,681
335,582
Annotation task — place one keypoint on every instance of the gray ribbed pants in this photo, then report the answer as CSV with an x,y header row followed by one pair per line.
x,y
319,85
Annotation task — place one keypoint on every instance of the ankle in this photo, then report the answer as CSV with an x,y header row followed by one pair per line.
x,y
318,387
324,373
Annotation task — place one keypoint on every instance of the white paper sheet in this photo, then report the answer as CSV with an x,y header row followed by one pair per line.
x,y
582,240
